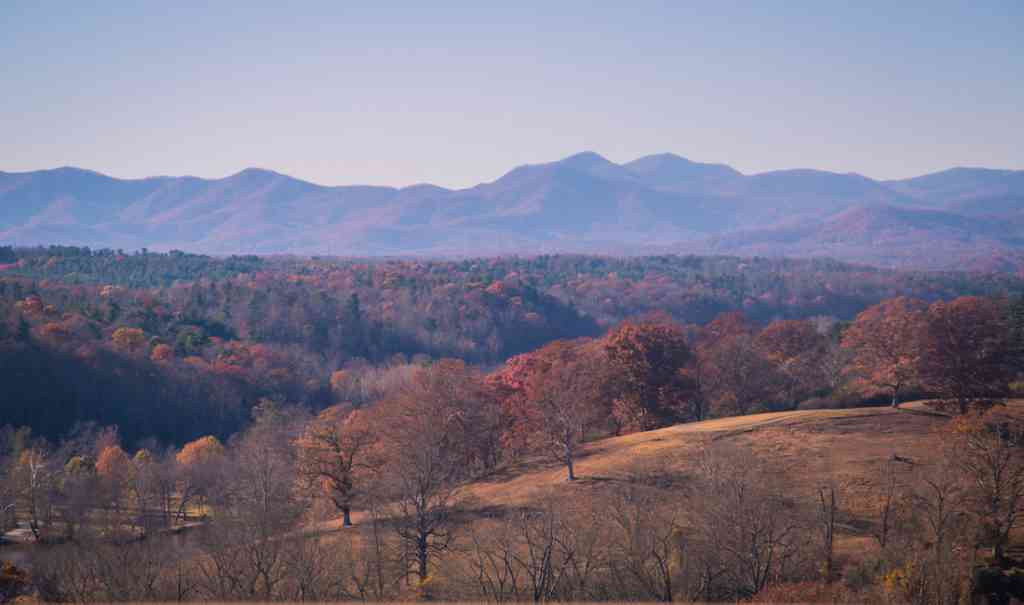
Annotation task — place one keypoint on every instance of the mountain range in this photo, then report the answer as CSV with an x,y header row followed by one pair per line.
x,y
958,218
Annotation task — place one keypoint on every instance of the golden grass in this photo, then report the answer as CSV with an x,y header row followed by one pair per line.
x,y
812,447
812,444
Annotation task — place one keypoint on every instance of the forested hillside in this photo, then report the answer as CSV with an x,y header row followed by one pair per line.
x,y
692,289
174,345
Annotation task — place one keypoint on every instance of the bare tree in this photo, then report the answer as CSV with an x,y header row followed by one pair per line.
x,y
493,560
80,493
540,556
990,458
92,571
318,570
557,551
8,479
832,362
163,482
257,505
423,437
374,574
939,501
888,499
750,532
646,558
585,536
8,502
35,476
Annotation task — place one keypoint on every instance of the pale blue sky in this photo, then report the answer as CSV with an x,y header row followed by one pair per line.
x,y
458,93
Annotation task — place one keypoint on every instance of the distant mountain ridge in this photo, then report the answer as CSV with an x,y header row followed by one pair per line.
x,y
582,203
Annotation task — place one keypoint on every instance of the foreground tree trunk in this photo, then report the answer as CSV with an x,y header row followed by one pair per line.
x,y
422,548
346,516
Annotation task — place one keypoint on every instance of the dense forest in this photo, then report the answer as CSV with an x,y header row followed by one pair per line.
x,y
88,336
693,289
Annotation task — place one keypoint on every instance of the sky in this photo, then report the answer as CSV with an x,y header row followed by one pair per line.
x,y
459,93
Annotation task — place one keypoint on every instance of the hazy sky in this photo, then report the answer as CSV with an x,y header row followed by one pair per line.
x,y
458,93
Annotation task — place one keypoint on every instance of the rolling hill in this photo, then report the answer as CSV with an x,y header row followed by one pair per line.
x,y
583,203
812,443
807,449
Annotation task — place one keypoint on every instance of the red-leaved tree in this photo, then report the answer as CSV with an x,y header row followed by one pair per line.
x,y
886,344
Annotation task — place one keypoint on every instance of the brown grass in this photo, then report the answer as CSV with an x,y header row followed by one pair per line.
x,y
812,447
811,444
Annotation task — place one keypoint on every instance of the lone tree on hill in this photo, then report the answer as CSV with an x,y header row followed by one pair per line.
x,y
561,401
336,455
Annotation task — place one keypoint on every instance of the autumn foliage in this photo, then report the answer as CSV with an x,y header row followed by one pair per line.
x,y
130,339
201,451
967,353
113,463
554,398
886,340
338,456
647,360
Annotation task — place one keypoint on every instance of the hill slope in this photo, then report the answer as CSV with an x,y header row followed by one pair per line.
x,y
814,443
811,448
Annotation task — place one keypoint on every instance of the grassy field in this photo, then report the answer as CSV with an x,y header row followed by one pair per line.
x,y
814,443
811,448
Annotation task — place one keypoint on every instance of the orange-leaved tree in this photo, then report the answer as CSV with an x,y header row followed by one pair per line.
x,y
162,352
199,463
113,463
988,451
130,339
886,344
336,454
115,470
202,450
